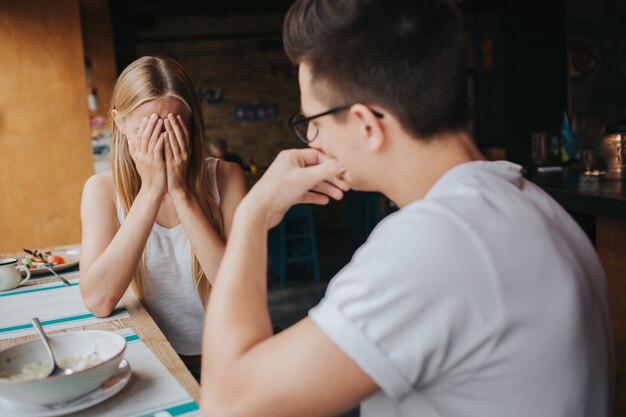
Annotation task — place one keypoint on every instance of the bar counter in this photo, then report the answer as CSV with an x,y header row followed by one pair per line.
x,y
599,206
582,194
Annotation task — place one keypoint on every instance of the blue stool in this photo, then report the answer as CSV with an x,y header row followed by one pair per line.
x,y
293,241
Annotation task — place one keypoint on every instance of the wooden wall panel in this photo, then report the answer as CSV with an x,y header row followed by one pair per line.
x,y
611,247
97,32
45,148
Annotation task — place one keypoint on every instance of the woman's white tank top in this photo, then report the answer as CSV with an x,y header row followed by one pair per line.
x,y
171,296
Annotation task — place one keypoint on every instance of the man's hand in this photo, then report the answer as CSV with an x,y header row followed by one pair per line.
x,y
296,176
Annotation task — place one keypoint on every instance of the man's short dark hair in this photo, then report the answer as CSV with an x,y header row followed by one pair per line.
x,y
408,56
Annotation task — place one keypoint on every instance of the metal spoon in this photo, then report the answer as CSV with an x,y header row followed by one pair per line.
x,y
49,268
56,369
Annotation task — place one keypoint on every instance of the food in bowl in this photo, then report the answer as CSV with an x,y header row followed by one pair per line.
x,y
55,389
41,369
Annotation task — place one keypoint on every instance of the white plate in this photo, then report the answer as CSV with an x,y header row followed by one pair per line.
x,y
71,261
111,387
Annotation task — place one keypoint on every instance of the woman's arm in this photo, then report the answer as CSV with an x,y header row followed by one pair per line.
x,y
110,257
205,241
110,254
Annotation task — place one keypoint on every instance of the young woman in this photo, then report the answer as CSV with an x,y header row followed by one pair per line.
x,y
160,219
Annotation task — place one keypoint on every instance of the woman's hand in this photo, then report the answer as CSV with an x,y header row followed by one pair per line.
x,y
176,155
146,149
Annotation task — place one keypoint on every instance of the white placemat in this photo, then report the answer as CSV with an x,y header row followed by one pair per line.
x,y
152,390
57,306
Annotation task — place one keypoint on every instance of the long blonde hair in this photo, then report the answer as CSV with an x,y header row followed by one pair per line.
x,y
147,79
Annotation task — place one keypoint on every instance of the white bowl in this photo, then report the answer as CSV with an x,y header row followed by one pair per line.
x,y
58,388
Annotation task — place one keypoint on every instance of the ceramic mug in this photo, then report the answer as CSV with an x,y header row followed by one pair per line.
x,y
10,276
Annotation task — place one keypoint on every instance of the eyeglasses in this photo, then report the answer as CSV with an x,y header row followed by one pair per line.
x,y
307,132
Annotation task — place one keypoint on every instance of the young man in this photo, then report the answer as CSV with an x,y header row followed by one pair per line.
x,y
479,297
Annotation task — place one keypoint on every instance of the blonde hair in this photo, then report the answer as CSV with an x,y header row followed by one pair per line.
x,y
147,79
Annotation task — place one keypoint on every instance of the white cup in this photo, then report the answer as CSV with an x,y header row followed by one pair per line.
x,y
10,276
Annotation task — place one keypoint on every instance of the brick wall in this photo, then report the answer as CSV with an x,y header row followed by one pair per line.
x,y
241,55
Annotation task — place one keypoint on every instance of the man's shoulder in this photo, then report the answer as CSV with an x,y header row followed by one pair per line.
x,y
421,235
418,220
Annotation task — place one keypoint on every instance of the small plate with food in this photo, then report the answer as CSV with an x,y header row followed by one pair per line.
x,y
61,260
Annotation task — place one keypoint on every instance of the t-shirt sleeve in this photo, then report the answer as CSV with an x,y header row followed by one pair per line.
x,y
415,302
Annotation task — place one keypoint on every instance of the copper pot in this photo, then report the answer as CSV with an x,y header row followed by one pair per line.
x,y
614,154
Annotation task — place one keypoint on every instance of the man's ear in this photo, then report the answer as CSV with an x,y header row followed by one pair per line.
x,y
371,128
118,120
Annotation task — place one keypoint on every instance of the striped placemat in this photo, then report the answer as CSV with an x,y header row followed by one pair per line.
x,y
56,306
152,391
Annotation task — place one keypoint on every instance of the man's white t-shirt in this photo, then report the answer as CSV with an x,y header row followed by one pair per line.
x,y
483,299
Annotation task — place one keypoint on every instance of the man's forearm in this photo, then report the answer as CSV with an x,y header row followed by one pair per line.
x,y
237,315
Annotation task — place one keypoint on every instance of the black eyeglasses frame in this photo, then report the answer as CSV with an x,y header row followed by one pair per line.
x,y
293,122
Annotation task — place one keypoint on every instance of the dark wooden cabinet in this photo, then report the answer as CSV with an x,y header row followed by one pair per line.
x,y
520,73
